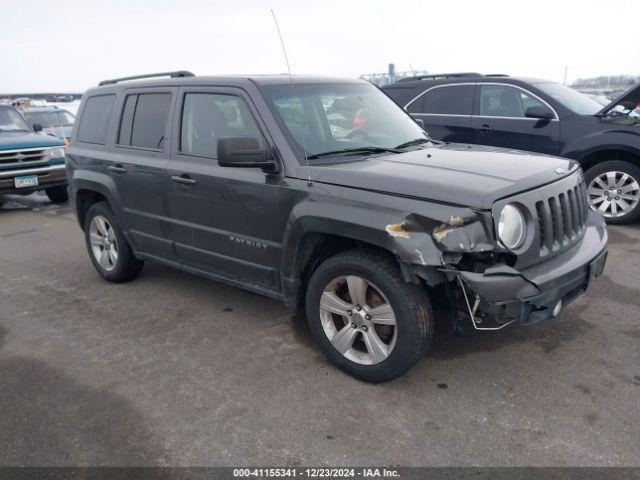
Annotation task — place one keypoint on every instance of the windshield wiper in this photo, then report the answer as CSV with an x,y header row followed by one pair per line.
x,y
415,141
353,151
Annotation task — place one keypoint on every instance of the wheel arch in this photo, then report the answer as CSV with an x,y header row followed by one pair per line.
x,y
311,240
607,153
88,188
85,198
315,247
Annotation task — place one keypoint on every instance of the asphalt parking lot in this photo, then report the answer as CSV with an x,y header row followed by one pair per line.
x,y
172,369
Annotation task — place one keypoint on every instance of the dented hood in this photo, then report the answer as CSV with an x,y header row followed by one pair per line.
x,y
469,175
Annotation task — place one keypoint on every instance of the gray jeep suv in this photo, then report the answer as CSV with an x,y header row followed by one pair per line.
x,y
323,193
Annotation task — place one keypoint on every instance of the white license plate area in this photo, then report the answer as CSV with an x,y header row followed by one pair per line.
x,y
26,181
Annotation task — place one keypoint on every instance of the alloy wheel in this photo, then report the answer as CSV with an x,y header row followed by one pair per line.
x,y
358,320
104,246
614,194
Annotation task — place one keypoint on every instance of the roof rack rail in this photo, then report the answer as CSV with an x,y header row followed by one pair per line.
x,y
176,74
496,75
441,75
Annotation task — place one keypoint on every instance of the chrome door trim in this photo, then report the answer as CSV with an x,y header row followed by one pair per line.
x,y
528,92
442,114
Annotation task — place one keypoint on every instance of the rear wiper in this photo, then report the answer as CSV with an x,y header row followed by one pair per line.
x,y
353,151
416,141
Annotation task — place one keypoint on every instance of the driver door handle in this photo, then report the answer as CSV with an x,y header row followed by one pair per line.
x,y
485,128
117,168
184,179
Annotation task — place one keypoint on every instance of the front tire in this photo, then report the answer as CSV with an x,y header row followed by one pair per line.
x,y
57,194
613,189
109,251
365,318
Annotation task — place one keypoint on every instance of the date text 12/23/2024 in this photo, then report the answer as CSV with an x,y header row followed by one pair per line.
x,y
315,473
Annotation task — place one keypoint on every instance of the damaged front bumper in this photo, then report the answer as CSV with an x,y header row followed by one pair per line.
x,y
502,295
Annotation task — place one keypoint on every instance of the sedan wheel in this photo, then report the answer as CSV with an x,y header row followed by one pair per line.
x,y
104,246
614,194
358,320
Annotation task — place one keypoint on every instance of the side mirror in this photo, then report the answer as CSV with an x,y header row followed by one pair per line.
x,y
538,111
37,127
244,152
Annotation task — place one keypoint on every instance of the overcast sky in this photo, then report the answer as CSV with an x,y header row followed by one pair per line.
x,y
71,45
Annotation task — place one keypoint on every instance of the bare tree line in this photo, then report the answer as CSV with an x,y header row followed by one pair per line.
x,y
608,81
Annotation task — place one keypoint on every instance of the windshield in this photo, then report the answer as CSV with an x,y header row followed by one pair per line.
x,y
10,120
334,118
51,119
570,98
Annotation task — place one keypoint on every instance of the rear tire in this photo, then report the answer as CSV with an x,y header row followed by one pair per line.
x,y
620,204
400,324
109,251
57,194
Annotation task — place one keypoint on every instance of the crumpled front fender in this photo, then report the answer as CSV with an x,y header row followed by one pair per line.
x,y
462,233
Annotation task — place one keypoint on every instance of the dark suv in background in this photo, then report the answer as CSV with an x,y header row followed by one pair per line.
x,y
259,182
537,116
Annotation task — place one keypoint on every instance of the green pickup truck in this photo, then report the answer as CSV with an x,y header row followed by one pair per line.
x,y
29,161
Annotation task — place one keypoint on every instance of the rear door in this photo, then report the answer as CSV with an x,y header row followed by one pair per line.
x,y
138,166
446,111
226,221
499,120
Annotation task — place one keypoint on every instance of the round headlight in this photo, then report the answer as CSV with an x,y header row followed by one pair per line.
x,y
511,227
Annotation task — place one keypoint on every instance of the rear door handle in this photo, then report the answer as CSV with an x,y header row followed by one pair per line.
x,y
183,179
117,168
486,128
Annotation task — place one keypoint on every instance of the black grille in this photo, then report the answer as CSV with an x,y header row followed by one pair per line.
x,y
562,218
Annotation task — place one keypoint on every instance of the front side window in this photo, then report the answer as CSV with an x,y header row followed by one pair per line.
x,y
327,118
11,120
94,124
506,101
208,116
144,120
450,100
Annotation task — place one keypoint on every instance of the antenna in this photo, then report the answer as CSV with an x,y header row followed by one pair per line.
x,y
293,92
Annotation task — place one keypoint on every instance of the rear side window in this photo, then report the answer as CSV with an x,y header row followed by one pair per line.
x,y
208,116
451,100
144,120
94,124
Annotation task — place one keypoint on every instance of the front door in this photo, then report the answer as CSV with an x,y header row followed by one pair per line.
x,y
499,120
226,221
